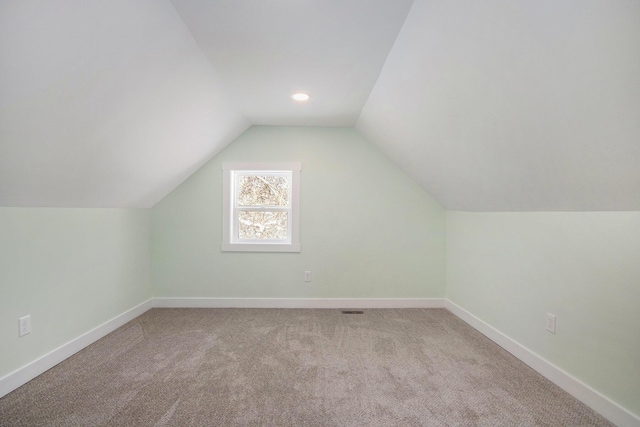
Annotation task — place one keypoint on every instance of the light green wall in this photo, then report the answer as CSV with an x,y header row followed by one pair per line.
x,y
367,230
71,270
511,269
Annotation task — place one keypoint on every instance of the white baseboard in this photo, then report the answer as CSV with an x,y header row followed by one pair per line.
x,y
299,302
599,403
21,376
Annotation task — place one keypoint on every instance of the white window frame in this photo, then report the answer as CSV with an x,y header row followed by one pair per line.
x,y
230,241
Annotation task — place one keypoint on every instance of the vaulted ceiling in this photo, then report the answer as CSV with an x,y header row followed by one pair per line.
x,y
489,105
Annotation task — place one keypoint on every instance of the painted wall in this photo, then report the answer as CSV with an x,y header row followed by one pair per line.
x,y
71,270
511,269
367,230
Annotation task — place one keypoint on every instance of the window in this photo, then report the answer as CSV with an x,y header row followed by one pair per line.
x,y
261,204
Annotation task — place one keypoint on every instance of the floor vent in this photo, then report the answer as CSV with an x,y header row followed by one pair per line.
x,y
352,312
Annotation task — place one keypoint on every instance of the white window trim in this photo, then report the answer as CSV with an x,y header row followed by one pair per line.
x,y
228,199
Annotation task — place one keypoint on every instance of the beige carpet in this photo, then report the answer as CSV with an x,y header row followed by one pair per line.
x,y
266,367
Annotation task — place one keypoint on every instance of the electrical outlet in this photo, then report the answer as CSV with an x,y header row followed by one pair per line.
x,y
307,276
24,325
551,323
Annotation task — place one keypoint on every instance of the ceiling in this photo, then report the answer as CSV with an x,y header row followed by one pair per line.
x,y
104,103
515,105
489,106
266,50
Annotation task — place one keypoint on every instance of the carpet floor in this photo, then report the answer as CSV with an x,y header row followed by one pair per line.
x,y
293,367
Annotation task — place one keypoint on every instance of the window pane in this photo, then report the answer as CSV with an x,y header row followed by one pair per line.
x,y
263,190
262,225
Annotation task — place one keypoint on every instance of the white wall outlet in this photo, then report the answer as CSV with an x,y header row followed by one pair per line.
x,y
24,325
307,276
551,323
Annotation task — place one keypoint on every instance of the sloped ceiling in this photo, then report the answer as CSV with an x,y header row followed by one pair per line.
x,y
515,105
490,106
104,103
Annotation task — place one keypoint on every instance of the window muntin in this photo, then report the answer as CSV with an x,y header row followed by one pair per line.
x,y
261,207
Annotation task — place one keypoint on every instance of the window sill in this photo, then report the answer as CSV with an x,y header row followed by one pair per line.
x,y
239,247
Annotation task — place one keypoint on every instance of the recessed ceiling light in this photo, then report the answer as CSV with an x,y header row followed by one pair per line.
x,y
300,96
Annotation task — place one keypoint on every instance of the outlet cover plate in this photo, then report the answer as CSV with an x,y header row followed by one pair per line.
x,y
551,323
24,325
